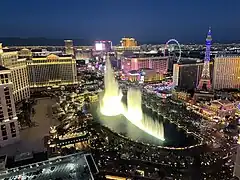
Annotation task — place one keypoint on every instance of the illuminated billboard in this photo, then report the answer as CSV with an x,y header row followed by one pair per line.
x,y
103,46
99,46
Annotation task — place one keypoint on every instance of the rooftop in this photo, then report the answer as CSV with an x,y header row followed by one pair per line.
x,y
190,61
54,56
133,72
145,55
2,68
23,156
224,101
75,166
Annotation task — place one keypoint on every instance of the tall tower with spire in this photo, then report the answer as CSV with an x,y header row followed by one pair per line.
x,y
205,80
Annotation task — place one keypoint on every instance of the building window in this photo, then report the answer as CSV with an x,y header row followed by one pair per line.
x,y
5,138
4,130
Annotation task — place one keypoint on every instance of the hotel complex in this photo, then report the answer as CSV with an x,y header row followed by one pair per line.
x,y
128,42
19,74
29,71
69,47
9,128
159,64
52,71
226,74
22,70
186,75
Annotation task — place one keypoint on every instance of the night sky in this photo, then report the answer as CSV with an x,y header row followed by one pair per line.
x,y
145,20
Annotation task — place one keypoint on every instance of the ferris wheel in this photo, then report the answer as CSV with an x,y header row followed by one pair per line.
x,y
179,48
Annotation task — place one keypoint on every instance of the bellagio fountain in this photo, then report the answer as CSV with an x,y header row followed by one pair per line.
x,y
111,105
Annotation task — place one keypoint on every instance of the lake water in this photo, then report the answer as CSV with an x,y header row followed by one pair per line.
x,y
173,136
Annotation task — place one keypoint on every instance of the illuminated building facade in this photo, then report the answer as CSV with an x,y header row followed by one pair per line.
x,y
45,52
69,47
1,50
226,73
52,71
150,75
158,64
222,108
186,76
75,140
144,75
19,74
25,53
93,97
9,128
121,49
179,95
128,42
133,76
85,55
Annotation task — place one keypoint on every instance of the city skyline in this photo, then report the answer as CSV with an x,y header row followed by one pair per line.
x,y
97,90
185,21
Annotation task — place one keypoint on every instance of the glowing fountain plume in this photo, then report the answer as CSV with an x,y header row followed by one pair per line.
x,y
111,104
134,102
135,115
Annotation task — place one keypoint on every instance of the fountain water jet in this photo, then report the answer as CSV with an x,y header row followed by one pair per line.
x,y
134,102
135,115
111,104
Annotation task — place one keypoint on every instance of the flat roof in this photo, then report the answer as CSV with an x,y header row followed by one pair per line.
x,y
23,156
61,166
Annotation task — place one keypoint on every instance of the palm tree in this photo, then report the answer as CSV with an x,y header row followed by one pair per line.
x,y
27,110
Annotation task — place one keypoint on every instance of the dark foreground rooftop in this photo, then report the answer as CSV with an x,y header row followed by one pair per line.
x,y
75,166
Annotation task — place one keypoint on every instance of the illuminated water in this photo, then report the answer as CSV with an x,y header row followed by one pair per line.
x,y
111,105
174,137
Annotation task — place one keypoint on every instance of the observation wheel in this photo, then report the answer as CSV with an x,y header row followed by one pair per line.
x,y
179,48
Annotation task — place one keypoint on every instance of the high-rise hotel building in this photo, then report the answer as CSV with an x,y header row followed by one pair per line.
x,y
69,47
9,128
159,64
19,74
52,71
128,42
186,75
226,74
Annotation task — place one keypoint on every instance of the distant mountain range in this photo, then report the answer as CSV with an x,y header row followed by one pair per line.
x,y
39,41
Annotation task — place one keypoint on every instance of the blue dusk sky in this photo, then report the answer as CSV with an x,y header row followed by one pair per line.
x,y
145,20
